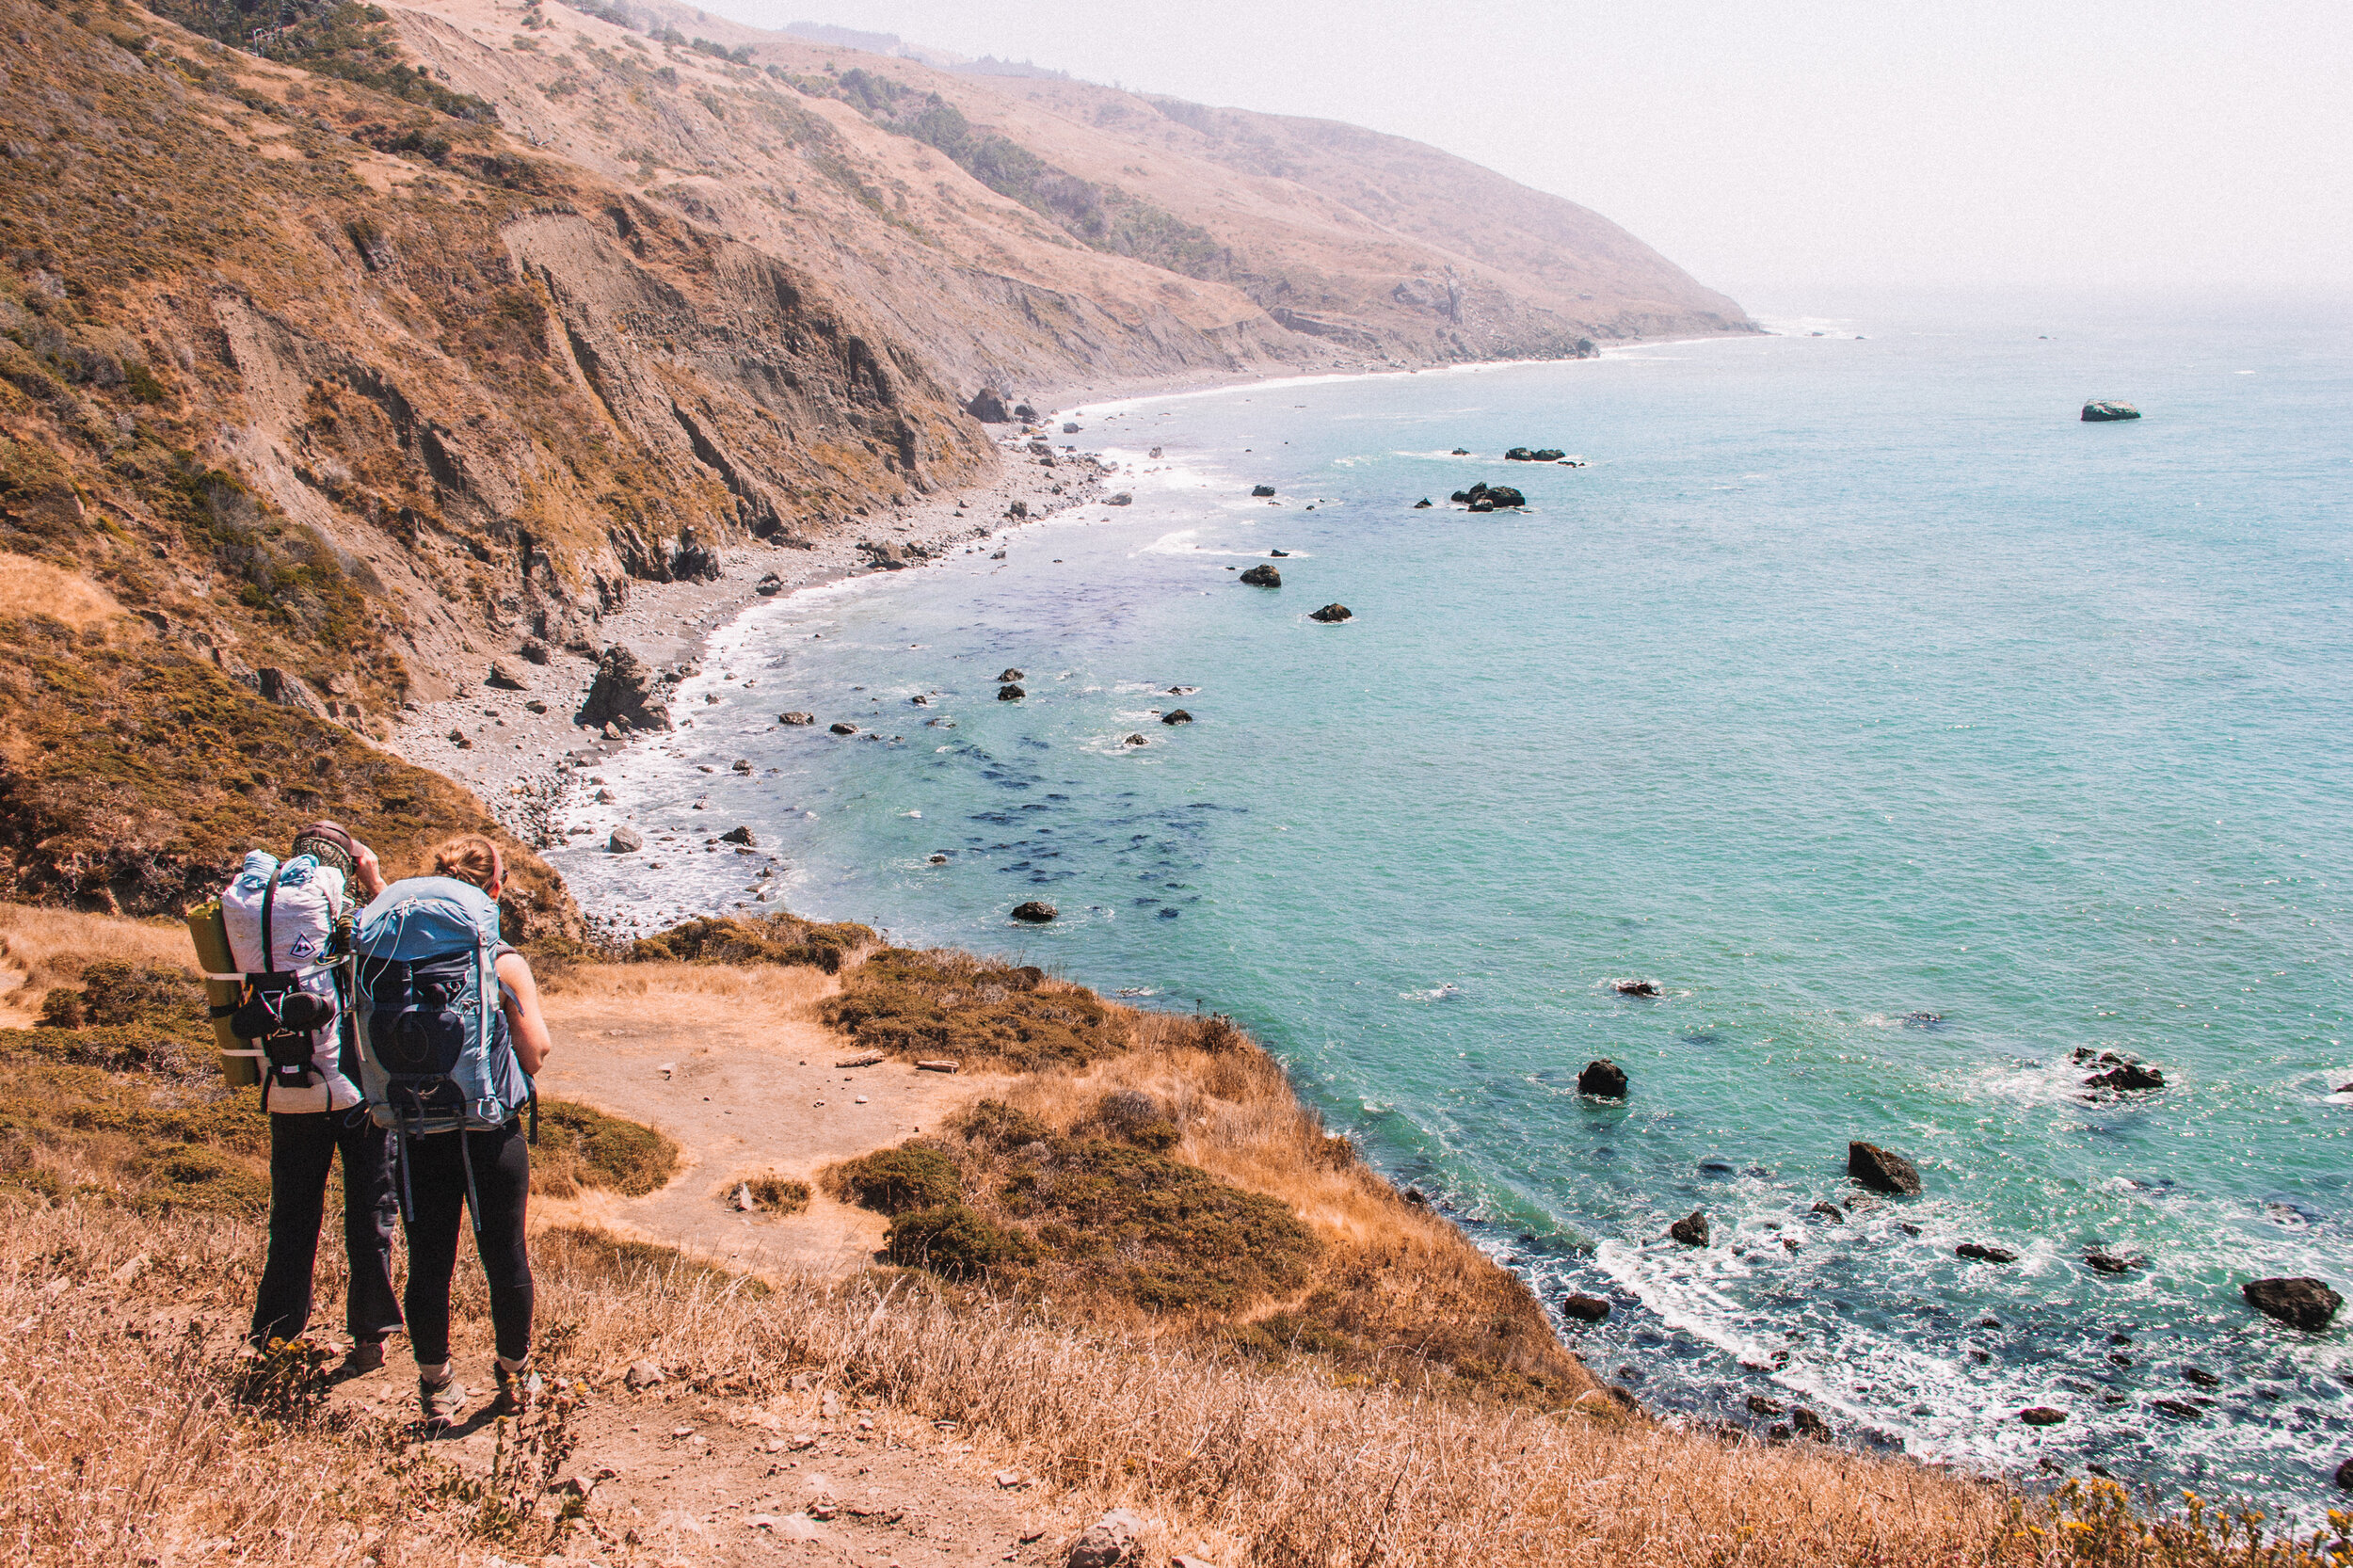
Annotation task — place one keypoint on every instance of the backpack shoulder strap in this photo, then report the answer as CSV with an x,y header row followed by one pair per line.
x,y
269,896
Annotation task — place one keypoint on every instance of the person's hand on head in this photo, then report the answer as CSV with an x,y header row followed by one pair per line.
x,y
365,867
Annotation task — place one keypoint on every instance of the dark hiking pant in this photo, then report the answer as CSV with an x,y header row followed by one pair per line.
x,y
301,1150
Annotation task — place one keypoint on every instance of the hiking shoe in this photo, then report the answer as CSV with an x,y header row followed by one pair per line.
x,y
363,1358
443,1402
517,1390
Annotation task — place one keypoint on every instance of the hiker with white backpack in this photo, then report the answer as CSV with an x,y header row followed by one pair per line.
x,y
283,924
450,1034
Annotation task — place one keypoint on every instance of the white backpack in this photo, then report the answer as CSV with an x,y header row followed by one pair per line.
x,y
280,920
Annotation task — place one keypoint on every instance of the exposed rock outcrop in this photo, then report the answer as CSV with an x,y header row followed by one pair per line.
x,y
625,692
2304,1304
1883,1170
1263,577
1602,1080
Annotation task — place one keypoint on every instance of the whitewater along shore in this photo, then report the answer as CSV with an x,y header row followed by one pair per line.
x,y
509,734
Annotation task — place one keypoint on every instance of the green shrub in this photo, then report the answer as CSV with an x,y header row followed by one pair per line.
x,y
776,939
1000,1126
1135,1117
583,1147
896,1181
950,1004
779,1194
954,1240
1160,1233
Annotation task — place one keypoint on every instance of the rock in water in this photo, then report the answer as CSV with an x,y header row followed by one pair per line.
x,y
2102,412
1810,1425
1332,615
624,692
1692,1230
1422,505
1176,715
841,727
739,836
796,717
1635,987
1257,491
1584,1308
2131,1077
1011,675
1504,495
2345,1476
1977,1252
2042,1416
1010,692
1519,454
1829,1211
2305,1304
1883,1170
988,408
1035,912
1603,1079
1263,577
625,840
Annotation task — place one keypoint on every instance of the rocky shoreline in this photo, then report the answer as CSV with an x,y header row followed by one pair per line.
x,y
510,735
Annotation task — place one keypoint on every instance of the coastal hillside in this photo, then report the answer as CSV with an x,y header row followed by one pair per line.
x,y
344,357
1035,1356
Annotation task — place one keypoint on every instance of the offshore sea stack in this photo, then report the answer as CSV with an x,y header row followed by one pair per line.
x,y
2306,1303
2103,412
1883,1170
1603,1081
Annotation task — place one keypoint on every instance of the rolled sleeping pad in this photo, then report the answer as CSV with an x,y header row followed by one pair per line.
x,y
240,1060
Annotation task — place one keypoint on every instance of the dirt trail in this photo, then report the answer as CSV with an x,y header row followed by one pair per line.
x,y
802,1478
735,1066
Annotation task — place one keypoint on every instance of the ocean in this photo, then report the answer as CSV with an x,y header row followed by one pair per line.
x,y
1907,733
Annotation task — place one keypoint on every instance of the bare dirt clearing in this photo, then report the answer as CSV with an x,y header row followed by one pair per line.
x,y
734,1065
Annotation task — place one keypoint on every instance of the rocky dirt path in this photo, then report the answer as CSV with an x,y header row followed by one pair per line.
x,y
735,1066
679,1478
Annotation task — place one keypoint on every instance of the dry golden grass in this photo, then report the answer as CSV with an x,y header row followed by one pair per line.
x,y
123,1436
28,585
41,948
691,993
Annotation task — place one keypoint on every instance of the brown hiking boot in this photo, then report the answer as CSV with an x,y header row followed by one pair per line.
x,y
441,1402
517,1390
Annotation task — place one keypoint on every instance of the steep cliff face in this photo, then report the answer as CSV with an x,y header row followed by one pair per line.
x,y
328,395
335,363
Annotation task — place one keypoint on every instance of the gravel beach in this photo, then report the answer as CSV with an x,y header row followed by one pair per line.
x,y
517,744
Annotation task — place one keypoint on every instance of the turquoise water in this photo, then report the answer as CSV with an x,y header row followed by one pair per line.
x,y
1853,679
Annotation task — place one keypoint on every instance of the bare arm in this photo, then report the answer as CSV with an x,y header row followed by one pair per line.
x,y
526,1024
365,867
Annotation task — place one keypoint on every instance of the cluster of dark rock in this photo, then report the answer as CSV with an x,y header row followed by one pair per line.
x,y
1541,455
2125,1074
1484,497
2099,411
2309,1305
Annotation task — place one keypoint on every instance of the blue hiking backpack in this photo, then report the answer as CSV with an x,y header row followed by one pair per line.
x,y
434,1052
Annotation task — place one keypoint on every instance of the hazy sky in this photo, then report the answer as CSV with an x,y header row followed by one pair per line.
x,y
1787,147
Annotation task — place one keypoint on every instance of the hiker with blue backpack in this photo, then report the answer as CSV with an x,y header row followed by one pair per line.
x,y
450,1035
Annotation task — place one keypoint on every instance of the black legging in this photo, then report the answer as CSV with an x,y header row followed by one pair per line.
x,y
437,1191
